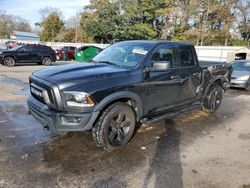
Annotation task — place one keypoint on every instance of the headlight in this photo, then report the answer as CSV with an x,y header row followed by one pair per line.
x,y
78,99
243,78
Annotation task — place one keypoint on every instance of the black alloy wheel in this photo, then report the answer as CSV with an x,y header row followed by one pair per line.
x,y
115,126
213,99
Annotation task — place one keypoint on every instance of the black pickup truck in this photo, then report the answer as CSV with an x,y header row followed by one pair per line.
x,y
128,82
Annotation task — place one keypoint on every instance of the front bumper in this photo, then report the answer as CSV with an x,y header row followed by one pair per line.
x,y
60,122
239,83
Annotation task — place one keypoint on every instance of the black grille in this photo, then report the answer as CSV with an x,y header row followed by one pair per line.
x,y
47,88
39,98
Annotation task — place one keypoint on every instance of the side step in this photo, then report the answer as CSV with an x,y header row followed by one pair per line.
x,y
170,114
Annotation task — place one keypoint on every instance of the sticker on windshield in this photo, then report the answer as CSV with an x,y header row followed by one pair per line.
x,y
139,51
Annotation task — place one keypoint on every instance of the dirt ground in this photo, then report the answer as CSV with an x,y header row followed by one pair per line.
x,y
192,150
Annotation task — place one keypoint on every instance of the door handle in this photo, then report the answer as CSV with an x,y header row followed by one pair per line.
x,y
175,77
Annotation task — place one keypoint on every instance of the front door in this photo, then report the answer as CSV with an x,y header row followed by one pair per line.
x,y
162,86
24,54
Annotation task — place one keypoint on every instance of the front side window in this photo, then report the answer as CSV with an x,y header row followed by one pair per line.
x,y
125,54
186,57
164,54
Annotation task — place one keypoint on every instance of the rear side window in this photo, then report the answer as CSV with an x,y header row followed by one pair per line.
x,y
37,48
186,57
164,54
46,48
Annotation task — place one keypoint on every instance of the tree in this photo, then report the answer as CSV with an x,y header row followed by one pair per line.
x,y
8,23
108,21
243,14
52,27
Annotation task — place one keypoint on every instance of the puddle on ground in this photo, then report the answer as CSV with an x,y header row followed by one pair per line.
x,y
16,82
22,92
8,80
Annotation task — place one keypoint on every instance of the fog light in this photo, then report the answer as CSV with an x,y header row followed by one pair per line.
x,y
68,119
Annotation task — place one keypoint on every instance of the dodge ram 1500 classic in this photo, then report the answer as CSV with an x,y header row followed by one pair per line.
x,y
128,82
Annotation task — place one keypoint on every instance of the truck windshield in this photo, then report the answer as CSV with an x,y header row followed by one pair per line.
x,y
124,54
241,65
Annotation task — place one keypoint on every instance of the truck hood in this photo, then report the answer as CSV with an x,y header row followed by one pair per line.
x,y
239,73
85,76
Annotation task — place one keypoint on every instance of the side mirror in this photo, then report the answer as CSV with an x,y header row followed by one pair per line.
x,y
160,66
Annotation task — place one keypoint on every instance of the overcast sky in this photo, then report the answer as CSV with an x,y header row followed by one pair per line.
x,y
29,9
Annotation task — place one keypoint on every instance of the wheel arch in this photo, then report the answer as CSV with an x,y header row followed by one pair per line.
x,y
46,56
10,56
218,80
125,96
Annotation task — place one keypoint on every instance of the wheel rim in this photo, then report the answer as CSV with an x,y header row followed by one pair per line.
x,y
46,60
216,99
119,128
9,61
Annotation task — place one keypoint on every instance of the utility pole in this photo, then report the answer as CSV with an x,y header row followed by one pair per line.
x,y
76,25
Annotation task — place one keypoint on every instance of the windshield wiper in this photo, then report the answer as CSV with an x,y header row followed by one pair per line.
x,y
107,62
92,61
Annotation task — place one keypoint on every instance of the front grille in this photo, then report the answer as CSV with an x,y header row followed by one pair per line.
x,y
35,94
233,78
47,97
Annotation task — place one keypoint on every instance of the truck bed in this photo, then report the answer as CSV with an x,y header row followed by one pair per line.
x,y
206,64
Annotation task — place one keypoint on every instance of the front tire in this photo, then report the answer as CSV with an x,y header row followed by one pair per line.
x,y
46,61
9,61
214,98
115,127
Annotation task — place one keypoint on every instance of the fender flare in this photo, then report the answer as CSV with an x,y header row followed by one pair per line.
x,y
120,95
220,79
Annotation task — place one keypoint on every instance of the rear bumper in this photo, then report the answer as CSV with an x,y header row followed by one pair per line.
x,y
239,84
60,122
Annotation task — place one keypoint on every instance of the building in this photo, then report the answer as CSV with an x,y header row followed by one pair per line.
x,y
242,53
24,36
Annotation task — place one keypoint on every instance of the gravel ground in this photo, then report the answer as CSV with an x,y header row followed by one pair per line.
x,y
192,150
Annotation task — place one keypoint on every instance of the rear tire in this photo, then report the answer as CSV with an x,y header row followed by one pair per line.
x,y
115,127
214,98
46,61
9,61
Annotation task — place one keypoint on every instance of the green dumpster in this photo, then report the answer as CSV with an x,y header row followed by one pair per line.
x,y
86,53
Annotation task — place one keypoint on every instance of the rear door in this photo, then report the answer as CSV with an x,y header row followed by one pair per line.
x,y
34,51
162,87
190,73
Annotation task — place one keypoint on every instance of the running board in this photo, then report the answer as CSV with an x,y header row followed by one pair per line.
x,y
169,115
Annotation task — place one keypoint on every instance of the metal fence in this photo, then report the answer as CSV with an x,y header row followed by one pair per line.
x,y
215,53
205,53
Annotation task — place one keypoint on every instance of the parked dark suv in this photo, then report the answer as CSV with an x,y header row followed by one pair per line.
x,y
40,54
